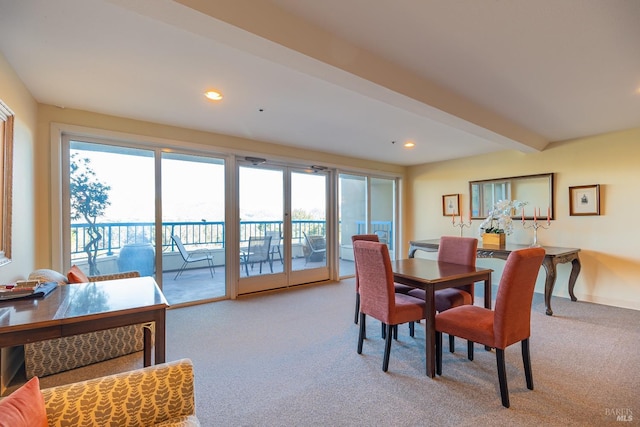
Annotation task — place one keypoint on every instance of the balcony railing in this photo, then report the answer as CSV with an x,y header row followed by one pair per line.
x,y
115,235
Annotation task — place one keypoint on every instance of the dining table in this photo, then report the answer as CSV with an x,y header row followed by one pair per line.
x,y
431,276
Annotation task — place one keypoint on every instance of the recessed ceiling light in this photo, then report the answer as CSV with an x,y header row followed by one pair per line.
x,y
409,144
213,95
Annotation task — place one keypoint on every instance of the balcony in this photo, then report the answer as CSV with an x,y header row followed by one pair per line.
x,y
197,235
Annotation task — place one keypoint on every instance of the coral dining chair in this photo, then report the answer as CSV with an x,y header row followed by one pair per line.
x,y
378,297
509,323
403,289
455,250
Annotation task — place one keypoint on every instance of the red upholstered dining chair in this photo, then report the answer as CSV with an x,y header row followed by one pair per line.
x,y
455,250
403,289
509,323
378,297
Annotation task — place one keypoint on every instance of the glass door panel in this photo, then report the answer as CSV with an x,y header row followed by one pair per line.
x,y
309,225
193,228
353,217
383,208
111,209
261,207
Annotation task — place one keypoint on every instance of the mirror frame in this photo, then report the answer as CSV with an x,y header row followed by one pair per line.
x,y
551,186
6,181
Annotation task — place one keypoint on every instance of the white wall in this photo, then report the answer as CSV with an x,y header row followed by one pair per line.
x,y
609,255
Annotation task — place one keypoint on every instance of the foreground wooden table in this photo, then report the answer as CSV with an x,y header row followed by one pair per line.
x,y
431,276
87,307
553,256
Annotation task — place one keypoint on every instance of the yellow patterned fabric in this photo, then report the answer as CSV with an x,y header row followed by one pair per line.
x,y
50,357
157,395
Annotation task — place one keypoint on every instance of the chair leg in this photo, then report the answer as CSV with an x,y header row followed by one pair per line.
x,y
452,344
355,319
469,350
212,268
383,331
362,332
438,353
502,377
412,329
395,332
526,360
184,264
387,348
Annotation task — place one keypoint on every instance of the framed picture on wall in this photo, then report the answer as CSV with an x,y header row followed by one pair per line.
x,y
584,200
451,205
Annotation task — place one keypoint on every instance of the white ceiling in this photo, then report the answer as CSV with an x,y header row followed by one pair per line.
x,y
459,78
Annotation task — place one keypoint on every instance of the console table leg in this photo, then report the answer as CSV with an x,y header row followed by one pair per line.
x,y
549,283
575,270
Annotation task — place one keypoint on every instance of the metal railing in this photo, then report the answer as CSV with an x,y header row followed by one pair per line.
x,y
115,235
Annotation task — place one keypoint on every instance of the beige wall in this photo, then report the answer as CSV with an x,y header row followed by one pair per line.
x,y
14,94
610,259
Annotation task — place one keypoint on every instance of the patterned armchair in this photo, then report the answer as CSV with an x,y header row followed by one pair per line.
x,y
159,395
50,357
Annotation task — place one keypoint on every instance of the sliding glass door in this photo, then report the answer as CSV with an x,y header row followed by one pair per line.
x,y
282,227
193,227
111,208
367,205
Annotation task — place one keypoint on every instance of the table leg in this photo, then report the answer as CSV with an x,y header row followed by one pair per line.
x,y
549,282
160,337
430,331
147,331
575,270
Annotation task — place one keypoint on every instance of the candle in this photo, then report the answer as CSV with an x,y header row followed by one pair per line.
x,y
522,214
453,218
460,216
548,215
534,215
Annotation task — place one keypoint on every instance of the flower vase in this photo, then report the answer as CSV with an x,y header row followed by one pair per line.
x,y
494,239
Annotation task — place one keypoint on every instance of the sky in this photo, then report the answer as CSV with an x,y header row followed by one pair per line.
x,y
193,191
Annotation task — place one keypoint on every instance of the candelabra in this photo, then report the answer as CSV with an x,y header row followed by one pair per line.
x,y
461,224
535,225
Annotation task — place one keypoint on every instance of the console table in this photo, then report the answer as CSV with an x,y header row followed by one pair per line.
x,y
553,257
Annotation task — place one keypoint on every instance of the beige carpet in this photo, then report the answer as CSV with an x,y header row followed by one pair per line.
x,y
289,359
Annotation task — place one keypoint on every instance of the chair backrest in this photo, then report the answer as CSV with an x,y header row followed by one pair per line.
x,y
515,293
377,290
259,247
365,237
275,238
383,236
459,250
315,243
181,248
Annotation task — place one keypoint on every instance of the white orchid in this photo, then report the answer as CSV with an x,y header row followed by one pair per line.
x,y
499,219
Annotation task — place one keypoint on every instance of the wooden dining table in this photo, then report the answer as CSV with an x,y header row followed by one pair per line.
x,y
431,276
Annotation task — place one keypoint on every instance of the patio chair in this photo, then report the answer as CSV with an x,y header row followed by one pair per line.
x,y
258,251
315,248
276,237
194,256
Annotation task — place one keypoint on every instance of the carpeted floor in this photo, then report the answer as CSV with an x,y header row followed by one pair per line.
x,y
289,359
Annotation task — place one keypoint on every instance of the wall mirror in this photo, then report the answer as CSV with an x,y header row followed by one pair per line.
x,y
536,190
6,174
